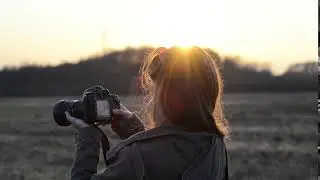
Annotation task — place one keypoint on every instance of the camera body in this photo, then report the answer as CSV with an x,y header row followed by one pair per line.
x,y
96,105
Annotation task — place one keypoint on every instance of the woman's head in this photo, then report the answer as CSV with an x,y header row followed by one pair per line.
x,y
185,87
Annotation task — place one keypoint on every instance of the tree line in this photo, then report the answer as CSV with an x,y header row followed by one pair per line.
x,y
119,71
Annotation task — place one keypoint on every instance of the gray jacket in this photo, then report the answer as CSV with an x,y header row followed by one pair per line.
x,y
163,153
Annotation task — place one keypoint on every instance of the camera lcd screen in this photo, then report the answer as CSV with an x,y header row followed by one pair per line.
x,y
103,109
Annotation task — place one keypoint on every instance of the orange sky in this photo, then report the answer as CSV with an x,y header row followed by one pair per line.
x,y
280,32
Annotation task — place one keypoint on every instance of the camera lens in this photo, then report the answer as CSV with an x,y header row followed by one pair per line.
x,y
58,113
75,108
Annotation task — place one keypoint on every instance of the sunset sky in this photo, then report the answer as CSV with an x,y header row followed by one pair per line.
x,y
280,32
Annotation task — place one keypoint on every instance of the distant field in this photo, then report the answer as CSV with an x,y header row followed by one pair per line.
x,y
273,137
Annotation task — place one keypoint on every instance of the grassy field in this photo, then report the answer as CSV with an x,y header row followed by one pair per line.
x,y
273,137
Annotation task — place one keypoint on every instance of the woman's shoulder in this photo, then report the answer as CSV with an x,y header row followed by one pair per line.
x,y
160,136
180,148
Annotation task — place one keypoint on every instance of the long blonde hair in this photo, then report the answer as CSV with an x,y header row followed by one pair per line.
x,y
184,87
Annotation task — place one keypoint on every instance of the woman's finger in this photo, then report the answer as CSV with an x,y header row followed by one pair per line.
x,y
118,112
123,107
70,118
104,123
75,121
97,123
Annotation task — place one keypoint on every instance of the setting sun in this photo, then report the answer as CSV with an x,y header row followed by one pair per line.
x,y
187,23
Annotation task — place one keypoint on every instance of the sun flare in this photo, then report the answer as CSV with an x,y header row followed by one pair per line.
x,y
185,24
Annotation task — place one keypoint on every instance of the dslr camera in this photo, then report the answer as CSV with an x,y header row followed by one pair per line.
x,y
96,105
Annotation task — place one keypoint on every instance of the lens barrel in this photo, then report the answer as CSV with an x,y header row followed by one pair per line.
x,y
59,113
74,107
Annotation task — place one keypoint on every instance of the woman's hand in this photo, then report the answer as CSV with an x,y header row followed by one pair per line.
x,y
76,123
79,123
125,123
122,114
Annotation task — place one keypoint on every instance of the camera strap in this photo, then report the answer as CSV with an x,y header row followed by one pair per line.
x,y
105,144
226,169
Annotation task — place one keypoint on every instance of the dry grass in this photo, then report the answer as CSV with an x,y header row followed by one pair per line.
x,y
273,137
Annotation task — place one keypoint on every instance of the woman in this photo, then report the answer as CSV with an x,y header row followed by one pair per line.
x,y
186,128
